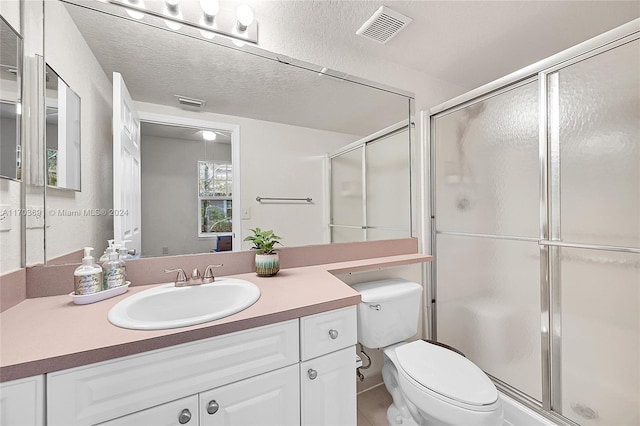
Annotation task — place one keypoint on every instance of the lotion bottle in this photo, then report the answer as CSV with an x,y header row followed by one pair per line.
x,y
88,276
114,270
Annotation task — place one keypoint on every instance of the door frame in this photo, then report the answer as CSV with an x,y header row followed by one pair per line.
x,y
173,120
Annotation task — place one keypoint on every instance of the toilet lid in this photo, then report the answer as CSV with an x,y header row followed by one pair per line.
x,y
446,373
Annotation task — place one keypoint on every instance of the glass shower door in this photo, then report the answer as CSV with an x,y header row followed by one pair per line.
x,y
388,187
487,225
594,127
347,206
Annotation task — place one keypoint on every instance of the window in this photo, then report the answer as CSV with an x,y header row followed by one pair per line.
x,y
214,198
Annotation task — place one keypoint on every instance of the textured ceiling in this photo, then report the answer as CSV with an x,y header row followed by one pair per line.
x,y
467,43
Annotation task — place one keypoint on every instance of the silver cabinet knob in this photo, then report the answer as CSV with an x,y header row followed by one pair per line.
x,y
184,416
212,407
333,334
312,373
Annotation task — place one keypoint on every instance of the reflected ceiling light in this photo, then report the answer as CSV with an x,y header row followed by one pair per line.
x,y
245,17
207,34
134,13
171,9
208,135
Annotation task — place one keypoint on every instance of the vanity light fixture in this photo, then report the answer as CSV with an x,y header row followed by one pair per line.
x,y
210,19
208,135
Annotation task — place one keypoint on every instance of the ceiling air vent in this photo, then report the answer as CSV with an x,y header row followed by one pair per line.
x,y
192,102
383,25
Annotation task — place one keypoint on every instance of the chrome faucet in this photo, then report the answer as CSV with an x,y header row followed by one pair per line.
x,y
196,278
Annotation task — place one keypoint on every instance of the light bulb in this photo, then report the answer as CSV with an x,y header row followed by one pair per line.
x,y
208,135
245,17
210,7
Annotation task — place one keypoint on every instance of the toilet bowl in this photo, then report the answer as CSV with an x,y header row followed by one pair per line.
x,y
429,384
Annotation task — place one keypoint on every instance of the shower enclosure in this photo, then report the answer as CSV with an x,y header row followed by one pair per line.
x,y
535,204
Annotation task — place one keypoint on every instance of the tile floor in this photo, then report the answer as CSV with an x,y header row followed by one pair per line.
x,y
372,407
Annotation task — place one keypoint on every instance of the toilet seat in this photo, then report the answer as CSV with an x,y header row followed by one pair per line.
x,y
446,375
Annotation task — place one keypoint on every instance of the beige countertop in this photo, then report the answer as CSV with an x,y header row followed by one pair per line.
x,y
46,334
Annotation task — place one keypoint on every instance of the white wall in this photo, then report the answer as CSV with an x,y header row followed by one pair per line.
x,y
170,193
68,54
278,160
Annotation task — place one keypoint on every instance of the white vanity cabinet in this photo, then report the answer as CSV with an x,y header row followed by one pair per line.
x,y
108,390
327,370
297,372
22,402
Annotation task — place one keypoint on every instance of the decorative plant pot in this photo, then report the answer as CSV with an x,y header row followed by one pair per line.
x,y
267,265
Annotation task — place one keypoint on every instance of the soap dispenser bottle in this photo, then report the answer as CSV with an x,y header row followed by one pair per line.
x,y
88,276
124,251
105,255
114,270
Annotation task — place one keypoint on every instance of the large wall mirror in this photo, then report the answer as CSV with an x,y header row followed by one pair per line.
x,y
194,132
10,104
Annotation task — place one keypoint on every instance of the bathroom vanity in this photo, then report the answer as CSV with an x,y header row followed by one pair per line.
x,y
288,359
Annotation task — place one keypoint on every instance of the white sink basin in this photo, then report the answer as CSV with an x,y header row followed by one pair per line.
x,y
167,306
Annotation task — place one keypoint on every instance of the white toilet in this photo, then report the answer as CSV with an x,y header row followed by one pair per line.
x,y
430,385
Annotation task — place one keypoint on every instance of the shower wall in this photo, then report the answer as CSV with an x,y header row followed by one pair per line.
x,y
536,234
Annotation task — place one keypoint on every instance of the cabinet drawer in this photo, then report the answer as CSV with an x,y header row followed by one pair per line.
x,y
327,332
175,413
99,392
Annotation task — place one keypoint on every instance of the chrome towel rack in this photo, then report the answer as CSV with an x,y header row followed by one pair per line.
x,y
261,199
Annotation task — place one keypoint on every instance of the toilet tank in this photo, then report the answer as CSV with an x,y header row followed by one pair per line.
x,y
389,311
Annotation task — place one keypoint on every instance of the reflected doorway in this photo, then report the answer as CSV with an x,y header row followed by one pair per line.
x,y
188,187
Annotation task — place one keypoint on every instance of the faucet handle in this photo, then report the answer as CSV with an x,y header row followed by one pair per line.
x,y
208,273
195,274
181,278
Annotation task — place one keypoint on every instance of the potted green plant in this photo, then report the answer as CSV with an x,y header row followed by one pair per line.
x,y
267,259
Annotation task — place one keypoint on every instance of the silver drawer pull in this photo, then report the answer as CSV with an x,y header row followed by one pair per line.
x,y
377,307
213,407
184,416
312,373
333,334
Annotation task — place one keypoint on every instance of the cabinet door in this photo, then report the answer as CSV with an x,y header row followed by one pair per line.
x,y
22,402
270,399
175,413
328,389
